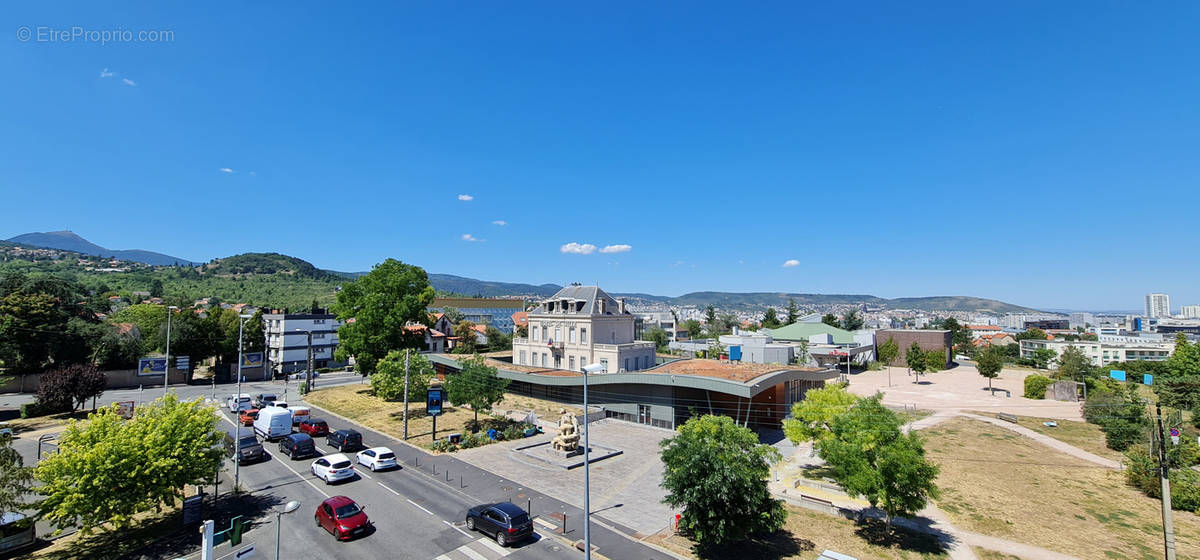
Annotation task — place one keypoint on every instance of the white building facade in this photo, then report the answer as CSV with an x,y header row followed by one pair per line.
x,y
287,340
1103,352
1158,305
582,325
1190,311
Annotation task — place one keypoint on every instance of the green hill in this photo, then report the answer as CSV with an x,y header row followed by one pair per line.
x,y
266,263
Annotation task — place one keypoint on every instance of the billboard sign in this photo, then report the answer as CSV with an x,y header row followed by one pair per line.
x,y
1147,379
1117,374
433,401
735,353
125,409
252,360
152,366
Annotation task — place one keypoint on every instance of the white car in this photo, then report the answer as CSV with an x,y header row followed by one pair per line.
x,y
238,403
377,458
332,468
278,404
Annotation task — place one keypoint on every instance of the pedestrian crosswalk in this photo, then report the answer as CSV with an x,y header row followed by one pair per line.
x,y
482,549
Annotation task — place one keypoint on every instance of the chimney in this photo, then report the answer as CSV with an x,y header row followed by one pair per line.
x,y
621,306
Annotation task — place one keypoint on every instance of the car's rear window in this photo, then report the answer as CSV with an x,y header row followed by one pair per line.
x,y
387,455
341,464
248,441
520,520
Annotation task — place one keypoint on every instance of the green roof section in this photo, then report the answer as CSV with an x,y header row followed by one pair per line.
x,y
802,331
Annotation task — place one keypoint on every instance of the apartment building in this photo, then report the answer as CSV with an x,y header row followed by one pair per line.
x,y
582,325
1190,312
287,340
1158,305
1104,352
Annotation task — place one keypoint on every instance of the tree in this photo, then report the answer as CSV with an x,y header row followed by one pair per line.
x,y
453,315
169,444
888,351
916,360
497,339
476,384
989,362
812,417
382,303
149,320
1042,357
710,319
521,331
793,312
156,288
716,471
1185,361
465,331
1073,364
873,458
659,336
802,352
1031,334
727,321
70,387
15,477
388,379
960,336
715,349
692,327
770,319
851,320
831,320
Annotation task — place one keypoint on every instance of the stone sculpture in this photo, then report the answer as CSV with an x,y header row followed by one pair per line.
x,y
568,432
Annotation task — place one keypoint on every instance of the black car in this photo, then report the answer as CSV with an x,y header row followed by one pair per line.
x,y
250,448
263,400
298,446
344,440
504,521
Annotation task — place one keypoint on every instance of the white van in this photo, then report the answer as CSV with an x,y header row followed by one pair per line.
x,y
238,403
273,423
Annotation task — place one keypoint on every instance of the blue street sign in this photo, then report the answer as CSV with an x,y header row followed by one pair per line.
x,y
1117,374
152,366
433,401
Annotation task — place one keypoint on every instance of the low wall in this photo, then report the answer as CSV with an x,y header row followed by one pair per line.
x,y
116,379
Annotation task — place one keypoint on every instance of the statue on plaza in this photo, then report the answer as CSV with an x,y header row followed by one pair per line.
x,y
568,432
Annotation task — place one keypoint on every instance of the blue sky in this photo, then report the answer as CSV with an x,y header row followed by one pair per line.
x,y
1038,153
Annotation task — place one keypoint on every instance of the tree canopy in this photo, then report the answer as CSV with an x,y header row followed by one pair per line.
x,y
851,320
831,320
771,319
793,312
812,417
658,336
382,303
70,387
888,351
716,471
915,357
476,384
388,379
15,477
989,362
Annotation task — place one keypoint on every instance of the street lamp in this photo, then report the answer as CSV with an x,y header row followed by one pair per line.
x,y
587,486
289,508
237,458
167,366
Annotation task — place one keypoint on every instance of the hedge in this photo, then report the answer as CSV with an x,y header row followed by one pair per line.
x,y
35,409
1035,386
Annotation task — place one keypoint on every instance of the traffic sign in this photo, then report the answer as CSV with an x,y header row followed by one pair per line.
x,y
183,362
244,553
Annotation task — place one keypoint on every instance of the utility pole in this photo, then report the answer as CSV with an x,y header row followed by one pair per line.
x,y
1168,521
406,352
308,382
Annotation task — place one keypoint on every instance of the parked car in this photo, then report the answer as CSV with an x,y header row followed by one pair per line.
x,y
377,458
299,413
298,446
263,400
16,532
6,430
332,468
247,417
238,403
343,518
279,404
300,375
251,449
344,440
273,423
504,521
315,427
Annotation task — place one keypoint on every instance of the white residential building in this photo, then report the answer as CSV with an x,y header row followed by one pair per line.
x,y
1084,320
1190,311
287,340
1158,305
1104,352
582,325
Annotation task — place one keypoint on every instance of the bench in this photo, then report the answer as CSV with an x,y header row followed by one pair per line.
x,y
1007,417
831,555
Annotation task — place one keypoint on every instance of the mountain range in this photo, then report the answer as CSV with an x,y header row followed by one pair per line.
x,y
284,265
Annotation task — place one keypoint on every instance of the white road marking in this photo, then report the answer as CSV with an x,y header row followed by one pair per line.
x,y
457,528
466,549
495,547
442,557
544,523
302,477
418,506
389,489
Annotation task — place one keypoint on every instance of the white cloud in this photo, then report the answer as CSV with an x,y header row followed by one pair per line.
x,y
500,222
468,237
616,249
466,197
790,263
225,170
106,74
128,82
578,249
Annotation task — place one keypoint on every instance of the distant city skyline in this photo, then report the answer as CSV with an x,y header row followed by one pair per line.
x,y
1014,152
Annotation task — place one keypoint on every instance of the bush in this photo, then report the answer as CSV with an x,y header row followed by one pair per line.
x,y
513,433
875,365
474,440
1035,386
935,361
1185,455
325,370
35,409
443,446
1120,434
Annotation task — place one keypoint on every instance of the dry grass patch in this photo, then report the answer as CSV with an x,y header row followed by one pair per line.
x,y
806,533
1087,437
985,554
358,403
1000,483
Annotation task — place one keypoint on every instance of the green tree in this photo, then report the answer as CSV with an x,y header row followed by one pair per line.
x,y
382,303
851,320
693,328
1042,357
1185,361
989,362
802,352
770,319
715,349
388,380
659,336
149,320
716,471
453,315
916,360
15,477
831,320
70,387
156,288
888,351
726,322
935,360
476,384
812,417
1031,334
465,331
710,320
167,445
793,312
873,458
1073,364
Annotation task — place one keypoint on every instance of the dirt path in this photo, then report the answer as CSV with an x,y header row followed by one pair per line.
x,y
1046,440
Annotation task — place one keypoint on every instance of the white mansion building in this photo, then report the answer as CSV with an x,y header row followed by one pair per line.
x,y
582,325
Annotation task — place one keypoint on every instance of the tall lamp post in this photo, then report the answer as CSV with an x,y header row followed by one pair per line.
x,y
167,366
237,457
587,485
289,508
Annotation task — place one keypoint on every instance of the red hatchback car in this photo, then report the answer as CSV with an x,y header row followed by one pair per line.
x,y
343,518
314,427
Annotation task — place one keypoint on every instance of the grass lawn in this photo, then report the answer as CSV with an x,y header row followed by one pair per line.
x,y
999,483
806,533
357,403
1087,437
